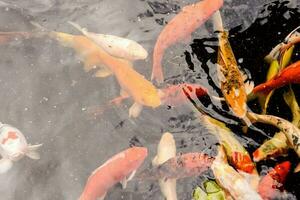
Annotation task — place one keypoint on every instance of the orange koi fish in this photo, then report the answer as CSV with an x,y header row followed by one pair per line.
x,y
179,29
120,168
132,83
185,165
271,184
289,75
231,79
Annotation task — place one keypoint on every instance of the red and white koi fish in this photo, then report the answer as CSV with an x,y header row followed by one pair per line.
x,y
271,185
120,168
175,95
114,45
185,165
132,84
180,28
230,180
288,75
166,149
13,147
237,155
231,79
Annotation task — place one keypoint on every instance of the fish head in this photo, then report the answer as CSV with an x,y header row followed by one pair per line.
x,y
243,162
149,97
282,170
137,51
12,142
135,157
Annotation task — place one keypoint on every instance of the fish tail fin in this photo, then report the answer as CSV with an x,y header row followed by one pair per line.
x,y
78,27
32,151
5,165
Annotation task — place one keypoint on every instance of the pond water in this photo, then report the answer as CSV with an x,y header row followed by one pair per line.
x,y
46,92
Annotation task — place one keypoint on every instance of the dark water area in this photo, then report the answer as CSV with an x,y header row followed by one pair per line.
x,y
45,92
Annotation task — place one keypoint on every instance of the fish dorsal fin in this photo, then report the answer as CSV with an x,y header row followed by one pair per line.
x,y
126,179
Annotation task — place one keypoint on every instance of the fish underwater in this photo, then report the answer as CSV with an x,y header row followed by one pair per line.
x,y
181,166
166,149
232,81
289,75
13,147
114,45
144,93
230,180
271,185
119,168
236,154
180,28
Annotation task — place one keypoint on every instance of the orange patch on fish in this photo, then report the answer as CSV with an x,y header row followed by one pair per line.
x,y
10,135
243,162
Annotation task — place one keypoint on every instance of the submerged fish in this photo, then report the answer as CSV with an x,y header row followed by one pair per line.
x,y
180,28
132,83
231,79
166,150
114,45
271,185
175,95
237,155
13,147
12,36
185,165
276,146
119,168
230,180
290,130
289,75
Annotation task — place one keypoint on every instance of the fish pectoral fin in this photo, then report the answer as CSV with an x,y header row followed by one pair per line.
x,y
5,165
249,85
123,93
154,161
125,180
218,98
135,110
102,73
102,197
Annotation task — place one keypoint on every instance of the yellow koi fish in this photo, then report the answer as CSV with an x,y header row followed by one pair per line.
x,y
231,79
166,149
131,82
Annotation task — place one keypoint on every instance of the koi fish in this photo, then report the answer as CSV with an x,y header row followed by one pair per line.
x,y
290,130
180,28
13,147
289,75
132,83
114,45
230,180
185,165
119,168
166,150
277,145
237,155
271,184
11,36
231,80
174,95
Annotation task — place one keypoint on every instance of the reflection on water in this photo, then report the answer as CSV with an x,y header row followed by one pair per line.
x,y
46,92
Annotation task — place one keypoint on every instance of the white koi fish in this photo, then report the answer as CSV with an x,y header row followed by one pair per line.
x,y
114,45
230,180
13,147
166,149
